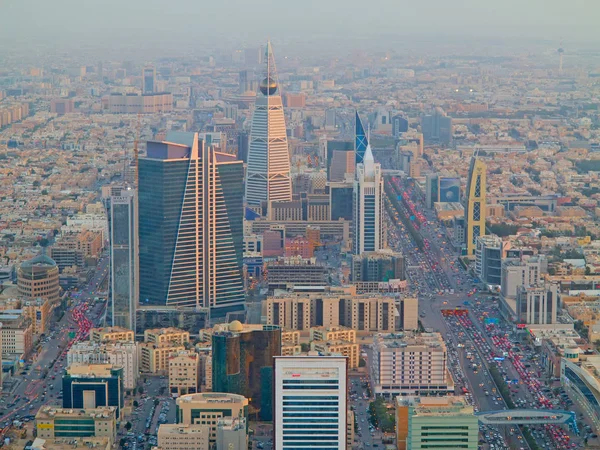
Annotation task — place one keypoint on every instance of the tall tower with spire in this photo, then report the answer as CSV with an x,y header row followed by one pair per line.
x,y
268,172
368,206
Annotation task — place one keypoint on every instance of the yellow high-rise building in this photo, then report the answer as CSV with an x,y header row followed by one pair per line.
x,y
476,203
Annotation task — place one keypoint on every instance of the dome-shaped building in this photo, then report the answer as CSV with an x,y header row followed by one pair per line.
x,y
38,278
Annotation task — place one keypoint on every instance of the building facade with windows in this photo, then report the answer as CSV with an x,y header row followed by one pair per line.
x,y
310,402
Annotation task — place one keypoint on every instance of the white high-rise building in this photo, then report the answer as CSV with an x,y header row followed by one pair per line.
x,y
368,206
268,173
310,402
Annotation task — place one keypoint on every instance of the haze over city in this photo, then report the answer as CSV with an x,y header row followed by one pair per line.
x,y
333,225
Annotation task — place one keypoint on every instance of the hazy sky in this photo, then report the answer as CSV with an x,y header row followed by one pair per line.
x,y
197,23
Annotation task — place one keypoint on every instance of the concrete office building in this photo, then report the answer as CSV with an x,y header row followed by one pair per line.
x,y
38,278
152,103
310,402
184,373
368,206
190,226
295,271
537,305
476,205
232,433
88,386
154,358
208,408
408,364
303,311
54,422
124,262
114,334
489,251
17,335
268,172
163,335
521,272
435,422
408,313
383,265
172,436
120,354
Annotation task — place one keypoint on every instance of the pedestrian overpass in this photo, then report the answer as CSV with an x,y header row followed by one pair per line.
x,y
527,417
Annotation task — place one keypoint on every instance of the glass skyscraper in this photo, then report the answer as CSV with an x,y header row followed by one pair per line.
x,y
242,363
190,226
123,258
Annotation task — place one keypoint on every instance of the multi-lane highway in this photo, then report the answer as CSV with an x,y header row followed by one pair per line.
x,y
42,383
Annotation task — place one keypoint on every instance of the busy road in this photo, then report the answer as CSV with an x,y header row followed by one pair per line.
x,y
40,379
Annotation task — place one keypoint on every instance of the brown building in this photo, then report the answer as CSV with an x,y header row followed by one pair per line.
x,y
62,106
38,278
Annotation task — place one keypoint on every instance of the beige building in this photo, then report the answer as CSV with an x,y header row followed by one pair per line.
x,y
53,422
163,335
208,408
38,311
97,443
408,309
183,437
334,348
373,313
410,364
332,334
38,278
151,103
111,334
154,358
184,373
17,334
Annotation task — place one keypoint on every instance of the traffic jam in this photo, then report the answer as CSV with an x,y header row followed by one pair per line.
x,y
507,353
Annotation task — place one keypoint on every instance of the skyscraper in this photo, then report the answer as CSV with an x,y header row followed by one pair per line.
x,y
148,80
476,204
268,171
124,265
190,226
360,139
242,363
368,206
437,127
310,402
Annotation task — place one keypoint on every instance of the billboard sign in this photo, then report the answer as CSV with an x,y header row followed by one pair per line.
x,y
449,189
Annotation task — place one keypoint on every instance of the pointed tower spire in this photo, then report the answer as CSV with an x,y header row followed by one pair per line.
x,y
269,85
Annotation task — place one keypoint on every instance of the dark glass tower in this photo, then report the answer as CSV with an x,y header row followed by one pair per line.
x,y
190,226
242,363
